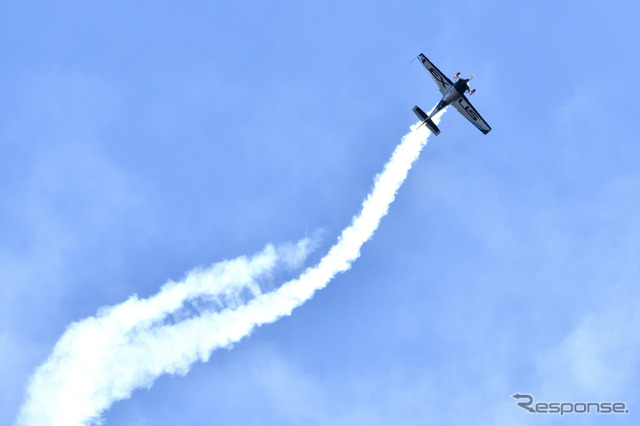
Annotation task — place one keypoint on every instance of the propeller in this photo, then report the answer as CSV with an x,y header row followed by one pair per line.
x,y
455,77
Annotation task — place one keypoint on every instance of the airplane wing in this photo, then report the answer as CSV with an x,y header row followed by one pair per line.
x,y
444,84
465,108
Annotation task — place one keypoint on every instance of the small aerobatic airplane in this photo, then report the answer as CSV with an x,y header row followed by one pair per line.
x,y
452,94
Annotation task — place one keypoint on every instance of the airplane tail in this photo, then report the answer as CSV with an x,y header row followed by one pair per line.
x,y
432,126
426,120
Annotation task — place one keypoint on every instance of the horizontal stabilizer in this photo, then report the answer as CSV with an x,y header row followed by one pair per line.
x,y
432,126
426,120
420,113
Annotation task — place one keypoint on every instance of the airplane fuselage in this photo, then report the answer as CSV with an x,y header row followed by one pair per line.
x,y
453,94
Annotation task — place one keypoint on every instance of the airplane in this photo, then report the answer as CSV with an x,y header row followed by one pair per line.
x,y
452,94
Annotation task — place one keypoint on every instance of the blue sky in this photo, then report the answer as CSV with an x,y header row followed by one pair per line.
x,y
142,140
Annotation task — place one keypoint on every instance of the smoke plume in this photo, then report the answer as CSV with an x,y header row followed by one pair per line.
x,y
103,359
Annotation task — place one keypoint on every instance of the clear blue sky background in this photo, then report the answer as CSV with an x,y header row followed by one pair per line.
x,y
139,140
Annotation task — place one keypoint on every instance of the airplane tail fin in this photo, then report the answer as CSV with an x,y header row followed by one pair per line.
x,y
426,120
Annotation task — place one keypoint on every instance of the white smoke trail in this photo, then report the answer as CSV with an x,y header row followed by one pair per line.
x,y
103,359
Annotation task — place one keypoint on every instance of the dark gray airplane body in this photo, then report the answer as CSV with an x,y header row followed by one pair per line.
x,y
452,94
